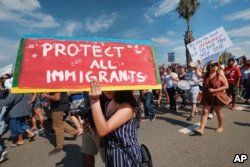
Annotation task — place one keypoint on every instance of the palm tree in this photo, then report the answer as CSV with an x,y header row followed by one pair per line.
x,y
186,9
224,57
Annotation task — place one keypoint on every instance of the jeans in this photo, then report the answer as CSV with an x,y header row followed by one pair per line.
x,y
17,126
2,123
148,110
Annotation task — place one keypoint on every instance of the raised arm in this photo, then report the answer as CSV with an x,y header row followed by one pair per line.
x,y
121,116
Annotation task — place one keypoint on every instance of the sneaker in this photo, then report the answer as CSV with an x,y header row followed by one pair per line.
x,y
55,151
145,118
41,131
3,155
153,118
210,116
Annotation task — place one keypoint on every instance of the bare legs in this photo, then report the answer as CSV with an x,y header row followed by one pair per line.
x,y
220,119
77,122
159,98
38,112
203,121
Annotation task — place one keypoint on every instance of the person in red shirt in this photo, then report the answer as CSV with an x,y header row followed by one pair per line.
x,y
233,74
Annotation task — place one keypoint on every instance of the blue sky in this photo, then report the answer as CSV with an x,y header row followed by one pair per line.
x,y
154,20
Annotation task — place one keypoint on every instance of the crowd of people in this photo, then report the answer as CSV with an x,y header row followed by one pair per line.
x,y
108,121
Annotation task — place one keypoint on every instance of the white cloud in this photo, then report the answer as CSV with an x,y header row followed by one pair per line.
x,y
240,32
70,28
160,9
164,7
180,48
241,47
133,33
8,51
171,33
220,2
161,40
39,20
237,51
26,13
224,2
148,18
4,58
164,41
101,22
21,5
243,14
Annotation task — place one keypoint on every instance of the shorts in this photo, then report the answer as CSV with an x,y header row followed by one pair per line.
x,y
192,96
90,145
231,91
36,104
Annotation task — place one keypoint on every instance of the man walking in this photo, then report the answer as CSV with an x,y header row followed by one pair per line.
x,y
233,74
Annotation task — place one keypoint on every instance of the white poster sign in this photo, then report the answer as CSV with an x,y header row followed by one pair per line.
x,y
210,44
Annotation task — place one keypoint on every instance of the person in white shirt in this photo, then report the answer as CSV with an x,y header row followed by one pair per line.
x,y
171,80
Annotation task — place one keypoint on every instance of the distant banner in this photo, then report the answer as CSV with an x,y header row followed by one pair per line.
x,y
171,57
210,44
56,64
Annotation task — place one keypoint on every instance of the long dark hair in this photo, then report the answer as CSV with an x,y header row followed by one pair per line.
x,y
128,97
208,68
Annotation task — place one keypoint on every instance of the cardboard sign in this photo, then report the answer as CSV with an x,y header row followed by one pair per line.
x,y
210,44
171,57
46,64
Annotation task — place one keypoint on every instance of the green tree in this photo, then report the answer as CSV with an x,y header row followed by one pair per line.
x,y
186,9
224,57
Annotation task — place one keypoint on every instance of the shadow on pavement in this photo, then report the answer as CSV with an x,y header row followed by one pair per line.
x,y
242,124
174,121
73,157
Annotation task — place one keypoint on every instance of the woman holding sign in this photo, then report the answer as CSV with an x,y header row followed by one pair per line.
x,y
118,125
214,82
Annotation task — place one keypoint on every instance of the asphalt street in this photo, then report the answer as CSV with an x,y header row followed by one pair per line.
x,y
169,146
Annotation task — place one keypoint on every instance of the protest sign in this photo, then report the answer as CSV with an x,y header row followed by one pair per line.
x,y
171,57
210,44
56,64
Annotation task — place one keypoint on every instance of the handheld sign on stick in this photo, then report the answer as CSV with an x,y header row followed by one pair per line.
x,y
210,44
59,64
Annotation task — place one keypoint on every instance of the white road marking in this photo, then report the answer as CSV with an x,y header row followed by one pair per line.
x,y
189,128
196,125
245,105
239,108
242,107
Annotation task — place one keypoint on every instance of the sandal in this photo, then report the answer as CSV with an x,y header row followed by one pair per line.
x,y
198,132
32,137
190,118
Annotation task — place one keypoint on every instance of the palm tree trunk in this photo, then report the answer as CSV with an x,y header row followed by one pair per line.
x,y
188,24
188,39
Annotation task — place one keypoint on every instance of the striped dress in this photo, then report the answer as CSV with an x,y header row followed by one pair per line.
x,y
125,136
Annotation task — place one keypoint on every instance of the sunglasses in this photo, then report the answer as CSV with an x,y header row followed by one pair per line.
x,y
214,65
